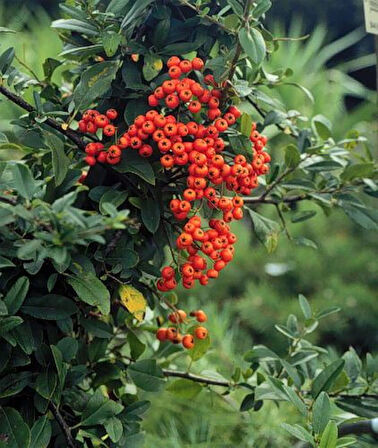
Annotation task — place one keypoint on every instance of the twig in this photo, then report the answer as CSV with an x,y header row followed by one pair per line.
x,y
69,133
207,17
282,219
29,69
196,378
270,200
63,425
289,39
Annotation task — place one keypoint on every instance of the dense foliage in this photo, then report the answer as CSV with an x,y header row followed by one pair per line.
x,y
80,255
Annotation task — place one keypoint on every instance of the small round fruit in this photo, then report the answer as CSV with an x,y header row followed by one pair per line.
x,y
201,333
188,341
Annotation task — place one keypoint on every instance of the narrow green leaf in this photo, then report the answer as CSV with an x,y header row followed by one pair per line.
x,y
329,436
91,290
12,424
16,295
325,379
253,44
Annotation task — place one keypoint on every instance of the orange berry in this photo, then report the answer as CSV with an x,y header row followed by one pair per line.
x,y
188,341
201,333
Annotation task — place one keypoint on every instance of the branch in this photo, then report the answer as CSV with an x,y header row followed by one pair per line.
x,y
206,16
358,428
270,200
196,378
63,425
69,133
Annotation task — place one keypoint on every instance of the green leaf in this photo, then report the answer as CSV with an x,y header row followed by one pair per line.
x,y
136,10
246,124
201,346
253,44
6,59
3,309
46,383
345,441
99,409
14,427
80,26
49,67
97,328
14,383
16,295
133,163
303,216
60,161
329,436
60,367
147,375
91,290
264,228
49,307
114,197
321,412
8,323
357,170
328,312
325,379
151,67
4,30
41,433
137,347
114,428
23,181
305,306
184,388
68,346
363,407
151,213
247,403
117,6
292,372
94,82
322,126
111,42
5,263
299,432
261,8
292,156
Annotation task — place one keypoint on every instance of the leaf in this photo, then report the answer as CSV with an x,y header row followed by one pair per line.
x,y
151,213
345,441
16,295
247,403
68,346
60,161
117,6
246,124
5,263
264,227
253,44
363,407
321,412
322,126
261,8
151,67
23,181
357,170
80,26
184,388
114,428
292,372
49,307
299,432
114,197
60,367
136,346
111,42
133,163
325,379
303,216
46,383
305,306
8,323
147,375
41,433
6,59
136,10
328,312
329,436
292,156
91,290
133,300
94,82
201,346
99,409
14,427
14,383
4,30
365,217
49,67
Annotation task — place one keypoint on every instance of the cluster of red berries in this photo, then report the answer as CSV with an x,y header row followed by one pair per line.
x,y
173,333
194,142
91,121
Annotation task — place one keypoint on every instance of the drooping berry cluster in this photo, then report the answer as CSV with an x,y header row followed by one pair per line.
x,y
188,127
180,319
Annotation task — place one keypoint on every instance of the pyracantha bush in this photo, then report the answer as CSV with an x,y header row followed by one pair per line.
x,y
120,184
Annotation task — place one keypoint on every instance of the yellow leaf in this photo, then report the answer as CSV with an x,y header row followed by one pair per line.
x,y
158,64
64,126
133,300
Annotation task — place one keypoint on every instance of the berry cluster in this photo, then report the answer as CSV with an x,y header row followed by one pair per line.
x,y
93,120
174,334
188,127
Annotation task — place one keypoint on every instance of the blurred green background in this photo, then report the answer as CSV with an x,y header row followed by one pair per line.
x,y
259,289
